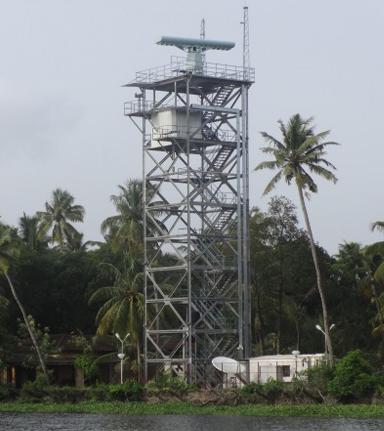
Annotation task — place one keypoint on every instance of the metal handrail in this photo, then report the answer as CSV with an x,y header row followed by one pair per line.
x,y
179,65
137,106
172,130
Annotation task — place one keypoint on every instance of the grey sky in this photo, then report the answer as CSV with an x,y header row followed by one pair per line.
x,y
63,61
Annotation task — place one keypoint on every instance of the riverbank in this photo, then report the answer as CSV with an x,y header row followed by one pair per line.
x,y
362,411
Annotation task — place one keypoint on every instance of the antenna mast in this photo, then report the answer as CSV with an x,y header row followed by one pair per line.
x,y
246,59
202,37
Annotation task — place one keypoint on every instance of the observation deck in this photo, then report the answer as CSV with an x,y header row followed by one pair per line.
x,y
207,79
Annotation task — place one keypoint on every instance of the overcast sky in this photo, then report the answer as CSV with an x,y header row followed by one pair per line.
x,y
62,64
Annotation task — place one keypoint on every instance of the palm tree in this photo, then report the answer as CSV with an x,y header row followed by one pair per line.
x,y
123,303
379,225
76,243
125,229
57,217
29,232
8,251
299,155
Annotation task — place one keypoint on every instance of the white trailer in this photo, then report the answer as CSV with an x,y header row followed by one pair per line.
x,y
282,367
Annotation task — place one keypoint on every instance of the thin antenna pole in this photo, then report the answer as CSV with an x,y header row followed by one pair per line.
x,y
246,57
202,36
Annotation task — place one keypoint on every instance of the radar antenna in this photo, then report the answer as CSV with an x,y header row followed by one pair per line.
x,y
195,48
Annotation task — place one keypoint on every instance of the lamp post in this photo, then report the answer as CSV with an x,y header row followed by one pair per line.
x,y
295,353
319,328
121,355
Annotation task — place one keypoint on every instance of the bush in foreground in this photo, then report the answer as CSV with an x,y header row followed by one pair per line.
x,y
7,393
354,378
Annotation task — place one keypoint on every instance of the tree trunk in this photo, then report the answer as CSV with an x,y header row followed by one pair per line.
x,y
138,361
28,326
261,320
328,341
279,319
297,326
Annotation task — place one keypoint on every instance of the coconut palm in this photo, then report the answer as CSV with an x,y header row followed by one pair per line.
x,y
9,251
125,229
29,232
58,214
296,157
122,303
76,243
379,225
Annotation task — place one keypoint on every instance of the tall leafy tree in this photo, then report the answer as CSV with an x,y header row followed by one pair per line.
x,y
283,231
8,251
300,154
125,229
59,213
29,232
122,303
374,282
352,298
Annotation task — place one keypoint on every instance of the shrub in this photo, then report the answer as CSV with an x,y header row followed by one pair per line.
x,y
170,384
252,388
99,393
35,391
319,378
253,393
85,362
128,391
67,394
272,390
353,377
7,393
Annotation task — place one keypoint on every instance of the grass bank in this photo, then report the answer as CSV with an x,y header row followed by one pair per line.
x,y
171,408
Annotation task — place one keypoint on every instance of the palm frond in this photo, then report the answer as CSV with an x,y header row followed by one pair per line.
x,y
273,141
268,164
105,293
379,225
322,172
271,185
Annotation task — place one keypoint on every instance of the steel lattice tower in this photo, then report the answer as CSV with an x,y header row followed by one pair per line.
x,y
193,118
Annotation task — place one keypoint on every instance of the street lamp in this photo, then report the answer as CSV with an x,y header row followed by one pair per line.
x,y
121,355
319,328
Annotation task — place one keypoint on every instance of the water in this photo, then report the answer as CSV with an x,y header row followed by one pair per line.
x,y
94,422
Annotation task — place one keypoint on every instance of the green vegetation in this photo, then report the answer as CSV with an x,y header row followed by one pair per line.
x,y
172,408
51,282
354,378
301,154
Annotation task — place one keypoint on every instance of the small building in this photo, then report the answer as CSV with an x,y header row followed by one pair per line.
x,y
61,364
282,367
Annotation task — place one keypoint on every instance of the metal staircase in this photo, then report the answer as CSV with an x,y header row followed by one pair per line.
x,y
221,221
220,159
220,99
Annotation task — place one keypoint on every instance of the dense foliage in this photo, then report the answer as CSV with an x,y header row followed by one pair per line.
x,y
64,289
69,286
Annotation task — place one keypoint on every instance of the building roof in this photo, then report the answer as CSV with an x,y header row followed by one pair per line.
x,y
286,357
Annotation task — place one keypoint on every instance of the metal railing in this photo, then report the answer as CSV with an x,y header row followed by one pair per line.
x,y
179,66
137,106
177,131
